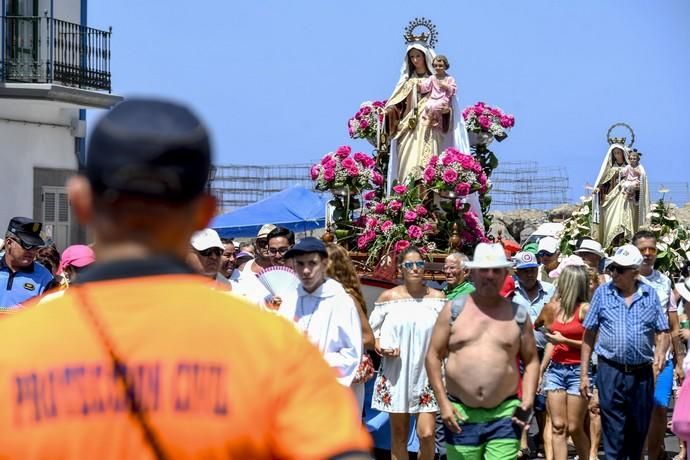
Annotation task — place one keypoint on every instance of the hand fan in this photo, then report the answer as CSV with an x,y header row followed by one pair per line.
x,y
279,280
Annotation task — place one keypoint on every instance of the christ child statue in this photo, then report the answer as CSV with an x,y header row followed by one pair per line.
x,y
441,87
630,176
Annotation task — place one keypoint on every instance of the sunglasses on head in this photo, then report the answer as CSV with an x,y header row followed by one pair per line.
x,y
618,269
23,244
409,265
210,251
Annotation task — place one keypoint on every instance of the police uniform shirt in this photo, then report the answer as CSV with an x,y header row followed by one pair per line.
x,y
22,285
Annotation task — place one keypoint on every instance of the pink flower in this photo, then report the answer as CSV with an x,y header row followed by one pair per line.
x,y
448,159
379,103
421,210
329,175
450,176
400,189
362,158
343,151
326,159
433,161
379,208
370,195
314,171
372,222
462,189
363,241
484,122
330,164
352,172
364,124
386,226
349,163
429,174
410,216
365,110
395,205
481,178
401,245
377,178
428,228
415,232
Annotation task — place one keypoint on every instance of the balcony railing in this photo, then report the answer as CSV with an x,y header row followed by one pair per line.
x,y
39,49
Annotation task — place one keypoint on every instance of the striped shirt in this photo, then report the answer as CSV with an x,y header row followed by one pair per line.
x,y
626,333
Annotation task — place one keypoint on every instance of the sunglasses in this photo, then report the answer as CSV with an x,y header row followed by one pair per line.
x,y
26,246
544,254
210,251
281,251
412,265
618,269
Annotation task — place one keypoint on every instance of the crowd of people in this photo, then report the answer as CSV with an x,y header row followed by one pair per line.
x,y
590,345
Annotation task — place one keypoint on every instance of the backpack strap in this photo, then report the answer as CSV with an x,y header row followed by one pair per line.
x,y
456,308
520,314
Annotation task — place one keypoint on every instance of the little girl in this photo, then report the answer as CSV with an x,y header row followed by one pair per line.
x,y
442,87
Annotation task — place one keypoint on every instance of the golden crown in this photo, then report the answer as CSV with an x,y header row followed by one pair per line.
x,y
428,36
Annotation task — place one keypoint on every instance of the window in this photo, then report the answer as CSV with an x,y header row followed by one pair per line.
x,y
56,216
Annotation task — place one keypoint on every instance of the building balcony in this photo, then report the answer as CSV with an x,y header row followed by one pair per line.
x,y
44,50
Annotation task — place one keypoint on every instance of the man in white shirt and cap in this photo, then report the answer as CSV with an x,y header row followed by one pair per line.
x,y
323,310
248,285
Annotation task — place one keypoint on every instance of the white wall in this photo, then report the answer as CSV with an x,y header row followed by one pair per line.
x,y
25,146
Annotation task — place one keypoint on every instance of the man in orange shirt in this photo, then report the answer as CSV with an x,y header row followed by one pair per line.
x,y
140,358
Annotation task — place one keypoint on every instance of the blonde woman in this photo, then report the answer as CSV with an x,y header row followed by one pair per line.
x,y
340,268
561,379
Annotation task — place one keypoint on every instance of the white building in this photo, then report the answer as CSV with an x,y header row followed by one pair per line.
x,y
52,68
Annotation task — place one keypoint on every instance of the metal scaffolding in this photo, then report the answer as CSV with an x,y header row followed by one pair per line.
x,y
527,185
236,186
673,192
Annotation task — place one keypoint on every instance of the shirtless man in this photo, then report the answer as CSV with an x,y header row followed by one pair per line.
x,y
479,406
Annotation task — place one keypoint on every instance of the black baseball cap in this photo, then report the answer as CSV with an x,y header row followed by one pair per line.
x,y
27,230
150,148
306,246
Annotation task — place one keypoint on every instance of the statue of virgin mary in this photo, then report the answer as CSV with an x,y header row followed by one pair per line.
x,y
616,216
413,140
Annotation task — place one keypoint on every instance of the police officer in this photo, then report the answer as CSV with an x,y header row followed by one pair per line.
x,y
21,277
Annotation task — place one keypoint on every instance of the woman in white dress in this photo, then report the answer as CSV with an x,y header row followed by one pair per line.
x,y
402,321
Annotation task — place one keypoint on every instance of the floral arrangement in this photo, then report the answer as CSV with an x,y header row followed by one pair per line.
x,y
364,124
455,172
672,239
481,118
394,223
578,226
343,169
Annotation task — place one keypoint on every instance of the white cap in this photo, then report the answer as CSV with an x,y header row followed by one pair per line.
x,y
265,230
489,256
548,244
206,238
571,260
626,256
590,246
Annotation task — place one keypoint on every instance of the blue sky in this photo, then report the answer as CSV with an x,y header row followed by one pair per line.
x,y
276,81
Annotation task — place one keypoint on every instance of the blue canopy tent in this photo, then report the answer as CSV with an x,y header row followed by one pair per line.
x,y
296,208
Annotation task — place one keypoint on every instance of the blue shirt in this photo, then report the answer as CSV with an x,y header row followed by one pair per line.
x,y
534,306
22,285
626,333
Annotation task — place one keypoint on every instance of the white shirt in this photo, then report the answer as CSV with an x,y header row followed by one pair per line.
x,y
249,286
328,316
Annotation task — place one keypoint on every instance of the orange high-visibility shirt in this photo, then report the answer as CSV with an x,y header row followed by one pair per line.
x,y
217,377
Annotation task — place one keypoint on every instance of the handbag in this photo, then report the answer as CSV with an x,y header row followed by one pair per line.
x,y
681,412
365,370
